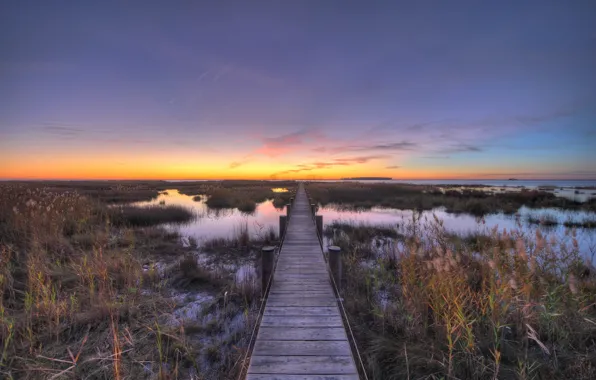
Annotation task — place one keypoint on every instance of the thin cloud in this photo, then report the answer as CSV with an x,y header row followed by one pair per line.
x,y
237,164
329,164
399,146
277,146
393,167
462,148
62,130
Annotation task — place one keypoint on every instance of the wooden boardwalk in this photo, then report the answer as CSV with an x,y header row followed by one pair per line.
x,y
301,335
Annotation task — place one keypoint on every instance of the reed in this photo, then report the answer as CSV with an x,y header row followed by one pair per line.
x,y
81,295
508,306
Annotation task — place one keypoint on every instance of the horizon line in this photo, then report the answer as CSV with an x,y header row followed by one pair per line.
x,y
286,179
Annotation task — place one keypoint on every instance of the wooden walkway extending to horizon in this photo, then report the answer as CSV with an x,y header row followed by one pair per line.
x,y
301,335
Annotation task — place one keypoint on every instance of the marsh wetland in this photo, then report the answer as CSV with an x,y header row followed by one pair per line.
x,y
159,279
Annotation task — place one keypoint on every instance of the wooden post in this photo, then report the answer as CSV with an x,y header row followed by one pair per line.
x,y
313,209
319,221
267,253
335,264
282,225
288,210
292,200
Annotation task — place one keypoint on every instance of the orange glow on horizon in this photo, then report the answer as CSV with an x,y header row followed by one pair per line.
x,y
76,165
97,171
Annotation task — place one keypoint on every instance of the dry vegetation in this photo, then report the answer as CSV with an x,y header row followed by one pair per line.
x,y
150,215
82,296
243,195
425,197
502,305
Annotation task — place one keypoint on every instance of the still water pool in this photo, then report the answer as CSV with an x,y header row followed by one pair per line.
x,y
211,223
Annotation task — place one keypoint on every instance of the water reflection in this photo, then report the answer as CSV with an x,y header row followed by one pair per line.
x,y
467,224
212,223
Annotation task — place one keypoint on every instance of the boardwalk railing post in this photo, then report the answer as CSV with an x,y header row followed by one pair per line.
x,y
288,210
313,209
282,225
292,200
266,267
335,264
319,221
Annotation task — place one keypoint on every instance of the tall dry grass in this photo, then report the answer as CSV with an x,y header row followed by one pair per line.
x,y
510,306
77,302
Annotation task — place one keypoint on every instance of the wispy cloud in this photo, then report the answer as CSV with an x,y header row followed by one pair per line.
x,y
237,164
61,130
276,146
399,146
396,146
392,167
460,148
329,164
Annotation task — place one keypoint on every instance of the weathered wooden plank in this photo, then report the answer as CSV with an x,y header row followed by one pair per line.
x,y
285,301
307,365
302,321
301,333
275,298
302,348
293,293
301,280
299,275
290,290
302,286
300,310
271,376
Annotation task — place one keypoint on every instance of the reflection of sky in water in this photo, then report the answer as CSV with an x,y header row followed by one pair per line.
x,y
463,223
218,223
222,223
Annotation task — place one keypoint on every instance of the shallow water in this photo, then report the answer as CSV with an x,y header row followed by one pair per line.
x,y
467,224
211,223
222,223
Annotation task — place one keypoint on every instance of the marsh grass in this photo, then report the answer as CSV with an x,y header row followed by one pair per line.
x,y
508,306
241,239
105,191
150,215
584,223
550,220
425,197
243,195
543,220
81,298
361,232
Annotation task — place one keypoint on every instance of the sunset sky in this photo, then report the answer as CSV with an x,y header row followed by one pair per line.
x,y
297,89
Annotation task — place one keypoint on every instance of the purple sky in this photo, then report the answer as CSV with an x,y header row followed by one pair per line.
x,y
298,88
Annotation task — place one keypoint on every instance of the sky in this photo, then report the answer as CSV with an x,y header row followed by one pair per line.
x,y
297,89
